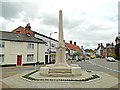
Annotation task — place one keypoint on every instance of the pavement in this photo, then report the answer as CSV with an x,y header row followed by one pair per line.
x,y
106,81
13,80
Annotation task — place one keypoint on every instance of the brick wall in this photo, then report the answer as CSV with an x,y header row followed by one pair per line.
x,y
23,31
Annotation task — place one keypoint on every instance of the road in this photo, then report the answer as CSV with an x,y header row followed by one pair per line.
x,y
111,68
93,64
99,65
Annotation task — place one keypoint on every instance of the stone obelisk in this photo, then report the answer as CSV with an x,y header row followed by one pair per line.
x,y
61,49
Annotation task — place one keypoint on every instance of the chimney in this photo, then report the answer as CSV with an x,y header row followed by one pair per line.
x,y
108,44
70,42
27,30
28,27
81,47
112,44
98,45
74,43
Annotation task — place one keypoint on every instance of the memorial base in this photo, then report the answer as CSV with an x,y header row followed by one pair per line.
x,y
60,71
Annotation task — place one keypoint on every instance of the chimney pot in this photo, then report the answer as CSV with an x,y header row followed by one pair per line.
x,y
81,47
112,44
98,44
74,43
28,27
108,44
70,42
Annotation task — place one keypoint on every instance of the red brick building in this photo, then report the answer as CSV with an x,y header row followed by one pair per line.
x,y
110,49
100,50
71,48
105,51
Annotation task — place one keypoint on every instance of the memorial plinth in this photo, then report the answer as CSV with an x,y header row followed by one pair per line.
x,y
60,68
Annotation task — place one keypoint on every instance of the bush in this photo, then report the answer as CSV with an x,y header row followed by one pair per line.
x,y
86,79
113,55
98,56
88,71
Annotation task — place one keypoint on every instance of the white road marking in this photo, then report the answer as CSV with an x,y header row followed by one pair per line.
x,y
93,63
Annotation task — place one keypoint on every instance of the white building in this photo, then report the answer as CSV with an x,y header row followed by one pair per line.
x,y
49,56
50,50
20,49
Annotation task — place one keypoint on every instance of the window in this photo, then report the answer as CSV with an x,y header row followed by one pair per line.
x,y
30,46
1,57
2,44
30,57
46,44
18,31
53,45
109,50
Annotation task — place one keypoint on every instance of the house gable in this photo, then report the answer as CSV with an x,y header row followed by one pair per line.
x,y
23,30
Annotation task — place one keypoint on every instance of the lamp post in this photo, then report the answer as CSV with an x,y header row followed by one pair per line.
x,y
50,47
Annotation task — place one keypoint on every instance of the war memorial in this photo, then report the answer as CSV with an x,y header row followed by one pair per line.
x,y
60,74
61,71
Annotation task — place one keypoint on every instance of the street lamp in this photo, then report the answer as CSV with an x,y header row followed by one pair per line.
x,y
50,46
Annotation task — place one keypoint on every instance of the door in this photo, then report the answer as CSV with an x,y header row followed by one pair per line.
x,y
19,60
46,59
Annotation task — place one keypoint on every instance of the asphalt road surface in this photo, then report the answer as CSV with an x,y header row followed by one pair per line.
x,y
93,64
100,65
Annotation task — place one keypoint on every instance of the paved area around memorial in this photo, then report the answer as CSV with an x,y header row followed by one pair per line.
x,y
106,81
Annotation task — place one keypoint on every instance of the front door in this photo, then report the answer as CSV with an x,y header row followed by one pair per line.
x,y
46,59
19,60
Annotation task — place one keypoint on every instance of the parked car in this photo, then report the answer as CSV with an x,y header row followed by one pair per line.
x,y
92,56
87,58
98,56
79,59
111,59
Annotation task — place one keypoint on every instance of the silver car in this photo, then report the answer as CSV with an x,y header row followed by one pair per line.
x,y
111,59
87,58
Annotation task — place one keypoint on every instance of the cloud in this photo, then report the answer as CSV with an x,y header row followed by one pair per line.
x,y
86,22
10,10
49,19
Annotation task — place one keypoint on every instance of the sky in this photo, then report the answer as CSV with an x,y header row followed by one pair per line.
x,y
86,22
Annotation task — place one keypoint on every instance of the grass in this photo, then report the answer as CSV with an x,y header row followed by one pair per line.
x,y
88,71
27,76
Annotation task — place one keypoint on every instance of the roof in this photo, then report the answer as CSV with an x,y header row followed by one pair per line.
x,y
37,33
19,27
110,46
100,45
72,46
12,36
44,35
117,38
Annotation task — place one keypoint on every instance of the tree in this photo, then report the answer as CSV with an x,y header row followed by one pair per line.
x,y
77,53
89,50
117,46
